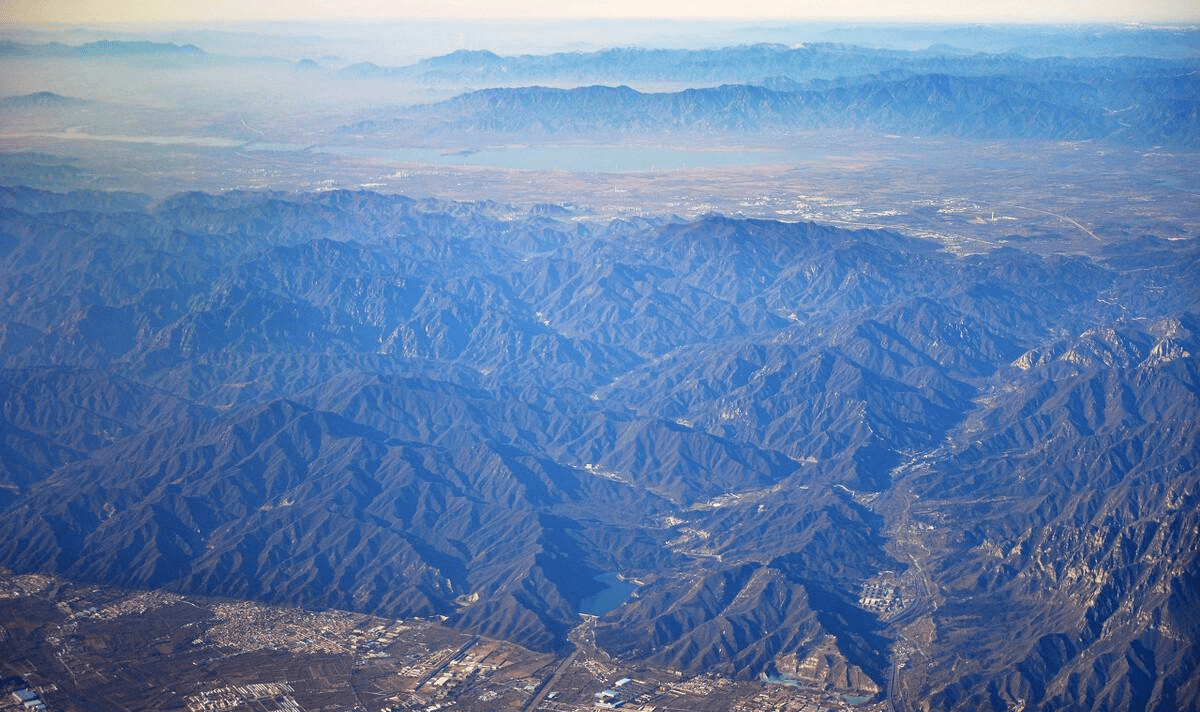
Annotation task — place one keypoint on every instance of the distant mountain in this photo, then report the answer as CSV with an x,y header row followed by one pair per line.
x,y
746,64
41,99
418,408
1097,40
1151,111
103,49
118,48
778,88
39,201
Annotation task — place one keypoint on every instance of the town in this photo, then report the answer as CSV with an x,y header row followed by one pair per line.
x,y
72,647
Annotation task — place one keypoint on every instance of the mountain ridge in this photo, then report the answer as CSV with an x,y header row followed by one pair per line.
x,y
936,105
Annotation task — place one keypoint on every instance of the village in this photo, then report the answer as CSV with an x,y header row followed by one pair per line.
x,y
71,648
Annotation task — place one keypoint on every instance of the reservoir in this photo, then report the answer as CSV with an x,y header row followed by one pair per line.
x,y
614,594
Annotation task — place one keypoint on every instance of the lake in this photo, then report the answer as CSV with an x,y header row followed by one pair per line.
x,y
613,595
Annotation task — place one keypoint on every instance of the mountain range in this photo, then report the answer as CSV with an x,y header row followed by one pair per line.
x,y
1137,110
749,64
103,49
773,89
423,408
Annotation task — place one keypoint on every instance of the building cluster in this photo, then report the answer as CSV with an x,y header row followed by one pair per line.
x,y
629,695
882,597
269,696
702,685
29,700
370,643
23,585
597,668
248,627
136,604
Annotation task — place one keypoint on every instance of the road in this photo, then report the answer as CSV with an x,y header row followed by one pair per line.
x,y
1064,218
923,603
576,636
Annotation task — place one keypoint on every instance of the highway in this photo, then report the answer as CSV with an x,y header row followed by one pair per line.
x,y
923,603
577,635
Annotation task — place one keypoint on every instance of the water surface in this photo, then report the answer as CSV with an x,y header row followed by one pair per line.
x,y
613,595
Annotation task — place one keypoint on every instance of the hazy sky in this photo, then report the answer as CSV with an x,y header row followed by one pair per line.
x,y
884,10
